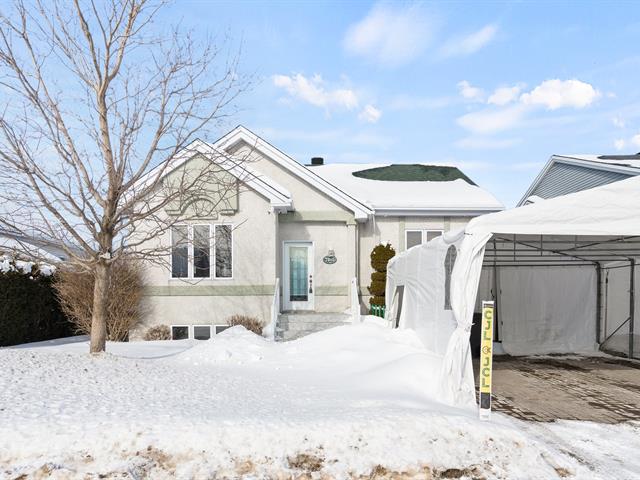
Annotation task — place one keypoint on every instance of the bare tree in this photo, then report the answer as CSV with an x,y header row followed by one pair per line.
x,y
94,94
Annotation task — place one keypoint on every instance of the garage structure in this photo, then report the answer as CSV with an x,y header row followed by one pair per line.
x,y
564,294
563,273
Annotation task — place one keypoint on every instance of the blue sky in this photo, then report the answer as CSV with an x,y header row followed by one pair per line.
x,y
494,88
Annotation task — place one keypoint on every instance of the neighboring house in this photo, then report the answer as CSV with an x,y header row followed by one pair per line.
x,y
30,247
312,227
565,174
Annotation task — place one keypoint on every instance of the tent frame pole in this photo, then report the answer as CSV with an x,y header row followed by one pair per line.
x,y
496,293
598,302
632,306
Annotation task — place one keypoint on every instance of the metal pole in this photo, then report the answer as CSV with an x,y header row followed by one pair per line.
x,y
632,306
496,295
598,302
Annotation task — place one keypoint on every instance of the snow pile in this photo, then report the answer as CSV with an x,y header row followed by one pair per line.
x,y
235,345
8,264
345,402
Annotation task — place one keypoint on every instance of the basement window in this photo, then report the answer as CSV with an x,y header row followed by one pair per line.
x,y
179,332
202,332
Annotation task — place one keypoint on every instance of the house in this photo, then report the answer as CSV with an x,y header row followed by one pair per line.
x,y
565,174
31,247
294,243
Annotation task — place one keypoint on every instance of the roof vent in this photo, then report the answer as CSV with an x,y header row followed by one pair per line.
x,y
317,161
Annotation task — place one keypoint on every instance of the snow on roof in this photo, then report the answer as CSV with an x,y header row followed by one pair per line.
x,y
457,195
632,161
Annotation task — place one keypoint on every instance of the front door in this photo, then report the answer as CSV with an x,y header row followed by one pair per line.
x,y
298,276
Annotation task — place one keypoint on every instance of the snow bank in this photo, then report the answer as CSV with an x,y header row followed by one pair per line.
x,y
235,345
344,402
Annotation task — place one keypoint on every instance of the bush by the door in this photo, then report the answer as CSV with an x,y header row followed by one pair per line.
x,y
380,256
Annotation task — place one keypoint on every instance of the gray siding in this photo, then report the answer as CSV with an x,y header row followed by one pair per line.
x,y
563,178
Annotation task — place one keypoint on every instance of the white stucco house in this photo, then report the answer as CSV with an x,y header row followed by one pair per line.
x,y
294,243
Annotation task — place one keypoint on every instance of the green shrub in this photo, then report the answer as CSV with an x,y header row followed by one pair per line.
x,y
29,309
380,256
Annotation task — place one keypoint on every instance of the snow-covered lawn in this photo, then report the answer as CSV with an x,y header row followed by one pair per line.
x,y
354,401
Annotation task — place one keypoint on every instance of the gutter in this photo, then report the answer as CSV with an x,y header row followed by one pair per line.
x,y
425,212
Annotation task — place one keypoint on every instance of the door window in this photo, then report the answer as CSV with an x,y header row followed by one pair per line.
x,y
298,274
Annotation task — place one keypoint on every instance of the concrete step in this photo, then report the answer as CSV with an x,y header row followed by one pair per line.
x,y
311,326
292,325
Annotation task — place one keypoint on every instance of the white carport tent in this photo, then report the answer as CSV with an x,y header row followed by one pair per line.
x,y
588,229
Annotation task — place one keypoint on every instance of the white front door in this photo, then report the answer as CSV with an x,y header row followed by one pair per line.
x,y
298,284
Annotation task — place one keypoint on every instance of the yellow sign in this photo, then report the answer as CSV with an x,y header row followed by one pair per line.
x,y
486,358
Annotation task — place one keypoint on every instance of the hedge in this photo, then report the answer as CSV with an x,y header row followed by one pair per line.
x,y
29,309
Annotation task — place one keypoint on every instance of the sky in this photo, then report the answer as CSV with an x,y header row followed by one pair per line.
x,y
494,88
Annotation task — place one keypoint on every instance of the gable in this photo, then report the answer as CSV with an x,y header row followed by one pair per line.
x,y
285,169
563,177
304,196
216,190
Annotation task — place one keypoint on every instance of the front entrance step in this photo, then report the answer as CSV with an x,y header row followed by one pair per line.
x,y
292,325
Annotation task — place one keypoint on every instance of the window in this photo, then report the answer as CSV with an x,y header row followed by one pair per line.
x,y
202,332
431,234
221,328
201,251
418,237
180,251
224,251
449,262
414,237
179,332
192,254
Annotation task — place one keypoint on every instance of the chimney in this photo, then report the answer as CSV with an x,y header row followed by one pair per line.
x,y
315,161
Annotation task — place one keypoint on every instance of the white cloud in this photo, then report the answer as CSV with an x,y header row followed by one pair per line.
x,y
313,91
490,121
470,92
370,114
511,110
635,140
618,122
468,44
556,93
503,95
484,143
619,143
390,35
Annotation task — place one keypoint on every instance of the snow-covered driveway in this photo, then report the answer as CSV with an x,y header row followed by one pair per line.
x,y
351,401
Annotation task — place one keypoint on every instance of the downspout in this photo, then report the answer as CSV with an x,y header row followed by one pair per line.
x,y
357,262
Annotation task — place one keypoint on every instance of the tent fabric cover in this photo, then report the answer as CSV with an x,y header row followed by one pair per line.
x,y
610,210
548,310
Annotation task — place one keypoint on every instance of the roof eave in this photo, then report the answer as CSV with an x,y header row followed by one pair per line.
x,y
437,211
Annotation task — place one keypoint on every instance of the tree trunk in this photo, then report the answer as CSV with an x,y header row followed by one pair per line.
x,y
99,312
